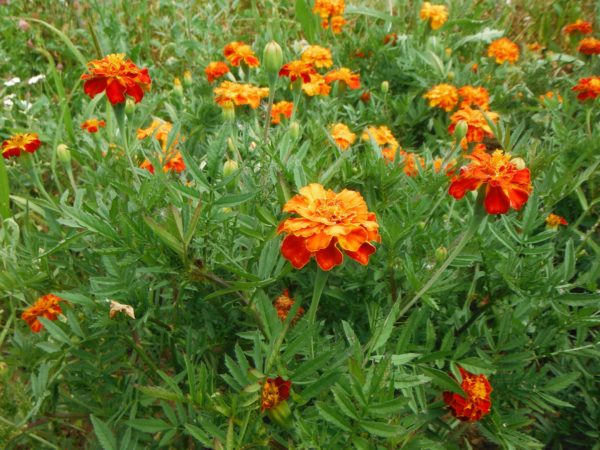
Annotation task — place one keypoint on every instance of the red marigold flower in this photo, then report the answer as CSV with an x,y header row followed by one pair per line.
x,y
444,96
478,127
46,306
215,70
317,56
502,50
22,142
281,109
588,88
275,391
93,125
297,69
589,46
118,77
342,136
328,219
437,13
553,221
477,403
507,185
474,96
474,67
579,26
283,304
352,80
238,52
390,38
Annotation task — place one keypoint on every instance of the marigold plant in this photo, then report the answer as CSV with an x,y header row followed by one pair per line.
x,y
18,143
215,70
436,14
504,50
93,125
46,306
477,402
444,96
342,136
238,53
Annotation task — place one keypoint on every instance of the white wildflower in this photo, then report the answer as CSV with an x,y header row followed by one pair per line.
x,y
37,78
12,82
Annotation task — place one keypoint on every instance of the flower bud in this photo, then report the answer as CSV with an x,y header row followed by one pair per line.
x,y
229,168
177,87
450,75
385,86
129,106
461,130
229,112
64,154
441,253
231,145
295,129
187,78
448,51
272,57
280,414
421,225
519,163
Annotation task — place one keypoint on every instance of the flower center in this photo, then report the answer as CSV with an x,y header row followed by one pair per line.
x,y
270,395
332,210
478,390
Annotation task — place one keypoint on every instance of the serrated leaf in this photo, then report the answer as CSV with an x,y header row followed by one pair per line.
x,y
332,416
105,436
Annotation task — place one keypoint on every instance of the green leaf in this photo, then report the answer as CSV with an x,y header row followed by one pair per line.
x,y
487,36
234,199
169,239
55,331
382,333
559,383
198,434
150,425
105,436
307,19
160,393
443,380
333,416
381,429
569,264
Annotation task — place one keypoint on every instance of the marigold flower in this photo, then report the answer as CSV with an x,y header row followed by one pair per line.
x,y
238,52
502,50
297,69
579,26
327,8
588,88
589,46
474,96
438,14
275,391
229,93
316,86
449,167
390,38
444,96
317,56
215,70
384,139
507,185
337,24
535,47
328,219
160,129
553,221
352,80
477,403
22,142
474,67
410,162
93,125
279,109
551,95
171,159
342,136
283,304
46,306
477,126
118,77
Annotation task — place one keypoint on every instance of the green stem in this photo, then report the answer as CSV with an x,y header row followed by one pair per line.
x,y
269,109
29,161
4,192
320,281
119,110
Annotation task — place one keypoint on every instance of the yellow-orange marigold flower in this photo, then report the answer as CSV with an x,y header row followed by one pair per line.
x,y
171,159
297,69
327,8
316,86
345,75
535,47
553,221
502,50
551,95
449,167
589,46
385,140
279,109
444,96
275,391
229,93
337,24
438,14
319,57
21,142
283,304
93,125
328,220
118,77
474,96
239,52
588,88
477,403
411,163
342,136
478,127
215,70
46,306
160,129
580,26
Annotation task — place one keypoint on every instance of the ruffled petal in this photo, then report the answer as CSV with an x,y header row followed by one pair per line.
x,y
496,201
329,257
363,253
293,249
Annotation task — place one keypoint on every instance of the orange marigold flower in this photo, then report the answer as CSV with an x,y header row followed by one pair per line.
x,y
449,168
409,163
337,24
384,139
551,95
474,67
283,304
588,88
316,86
46,306
580,26
342,136
173,162
553,221
390,38
437,13
93,125
281,109
160,129
326,8
535,47
317,56
297,69
589,46
275,391
171,159
444,96
507,185
478,127
474,96
229,93
147,165
365,97
215,70
328,219
352,80
238,52
118,77
22,142
477,403
502,50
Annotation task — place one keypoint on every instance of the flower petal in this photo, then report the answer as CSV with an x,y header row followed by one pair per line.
x,y
329,257
363,253
496,201
293,249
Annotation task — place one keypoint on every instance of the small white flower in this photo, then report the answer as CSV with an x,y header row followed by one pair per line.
x,y
12,82
8,102
25,105
36,78
257,168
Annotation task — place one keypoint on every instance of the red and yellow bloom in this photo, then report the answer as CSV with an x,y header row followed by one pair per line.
x,y
553,221
504,50
46,306
239,52
316,86
229,94
283,305
22,142
444,96
437,14
215,70
297,69
344,75
506,185
117,76
477,403
342,136
279,109
275,391
93,125
579,26
478,127
588,88
328,220
319,57
589,46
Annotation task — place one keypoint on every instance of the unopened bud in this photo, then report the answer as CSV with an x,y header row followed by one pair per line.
x,y
272,57
229,168
441,253
295,129
450,75
229,112
519,163
280,414
64,154
448,51
460,131
421,225
187,78
129,106
177,86
385,86
231,145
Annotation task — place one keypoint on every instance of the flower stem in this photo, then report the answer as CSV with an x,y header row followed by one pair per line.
x,y
4,192
119,110
320,281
